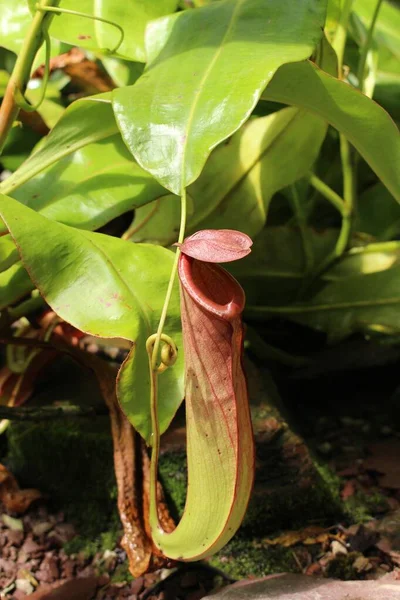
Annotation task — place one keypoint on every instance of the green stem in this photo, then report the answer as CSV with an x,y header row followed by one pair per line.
x,y
339,43
367,46
327,192
153,355
171,280
301,218
22,70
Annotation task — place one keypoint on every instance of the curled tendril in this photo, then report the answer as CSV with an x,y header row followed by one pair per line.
x,y
169,351
59,11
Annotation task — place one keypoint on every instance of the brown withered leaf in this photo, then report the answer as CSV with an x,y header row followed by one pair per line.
x,y
11,496
131,464
308,536
84,73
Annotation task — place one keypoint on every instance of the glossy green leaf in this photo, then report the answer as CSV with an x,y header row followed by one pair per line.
x,y
378,213
122,72
206,70
15,19
91,186
267,155
108,288
158,222
86,121
51,109
366,125
240,177
132,16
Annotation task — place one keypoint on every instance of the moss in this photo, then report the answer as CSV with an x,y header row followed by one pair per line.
x,y
88,547
122,574
173,476
240,559
72,463
362,507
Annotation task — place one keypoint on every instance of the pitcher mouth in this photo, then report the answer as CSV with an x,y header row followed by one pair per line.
x,y
211,287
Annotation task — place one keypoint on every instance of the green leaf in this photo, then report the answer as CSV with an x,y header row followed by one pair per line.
x,y
122,72
91,186
206,70
14,285
84,122
132,16
366,125
359,294
15,19
8,252
272,273
378,213
387,28
240,178
108,288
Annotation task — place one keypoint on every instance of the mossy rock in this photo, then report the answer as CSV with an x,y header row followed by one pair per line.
x,y
71,462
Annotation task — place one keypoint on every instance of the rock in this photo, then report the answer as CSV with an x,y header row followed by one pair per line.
x,y
14,537
76,589
301,587
49,570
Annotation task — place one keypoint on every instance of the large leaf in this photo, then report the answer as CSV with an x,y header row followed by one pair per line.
x,y
108,288
84,122
365,124
206,70
132,16
91,186
15,19
240,177
359,294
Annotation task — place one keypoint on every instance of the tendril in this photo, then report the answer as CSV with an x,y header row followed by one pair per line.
x,y
169,351
59,11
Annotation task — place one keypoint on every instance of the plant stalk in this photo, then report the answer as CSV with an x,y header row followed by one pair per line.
x,y
301,219
339,42
22,70
366,48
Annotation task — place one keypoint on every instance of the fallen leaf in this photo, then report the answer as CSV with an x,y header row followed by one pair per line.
x,y
308,536
11,496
